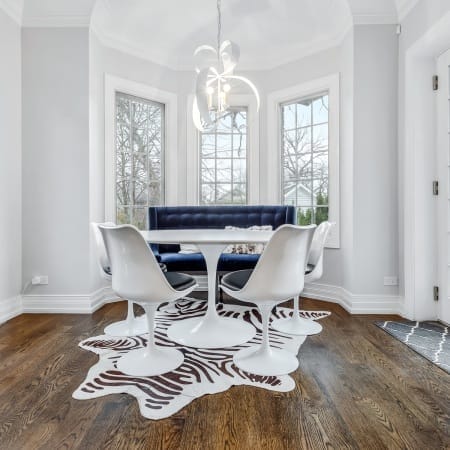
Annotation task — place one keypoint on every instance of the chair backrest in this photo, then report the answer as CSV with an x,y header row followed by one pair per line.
x,y
280,271
136,273
102,256
315,257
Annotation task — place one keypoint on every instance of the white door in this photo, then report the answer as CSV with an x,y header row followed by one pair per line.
x,y
443,199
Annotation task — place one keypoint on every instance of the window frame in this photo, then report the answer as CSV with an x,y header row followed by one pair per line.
x,y
276,100
114,85
193,151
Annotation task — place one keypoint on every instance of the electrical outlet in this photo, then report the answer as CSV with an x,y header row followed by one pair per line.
x,y
43,279
391,281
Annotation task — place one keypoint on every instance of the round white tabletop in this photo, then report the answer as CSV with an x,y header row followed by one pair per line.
x,y
210,330
206,236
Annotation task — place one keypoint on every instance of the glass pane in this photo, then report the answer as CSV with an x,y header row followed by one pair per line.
x,y
289,121
239,145
208,146
304,192
123,215
304,113
290,142
320,138
154,194
239,193
140,218
223,193
239,170
304,166
321,215
303,138
208,194
224,146
320,110
304,216
223,171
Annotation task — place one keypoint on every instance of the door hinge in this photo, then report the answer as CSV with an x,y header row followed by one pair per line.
x,y
435,82
435,187
436,293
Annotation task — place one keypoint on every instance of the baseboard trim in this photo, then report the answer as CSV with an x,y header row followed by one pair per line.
x,y
68,304
355,303
89,303
10,308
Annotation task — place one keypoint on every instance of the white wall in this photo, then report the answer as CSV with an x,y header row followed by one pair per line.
x,y
375,209
56,159
10,167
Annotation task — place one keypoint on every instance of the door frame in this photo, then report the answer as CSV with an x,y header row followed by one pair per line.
x,y
417,170
443,169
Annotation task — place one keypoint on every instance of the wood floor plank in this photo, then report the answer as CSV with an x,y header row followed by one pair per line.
x,y
356,388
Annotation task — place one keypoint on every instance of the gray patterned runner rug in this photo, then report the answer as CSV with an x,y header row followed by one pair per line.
x,y
430,339
204,371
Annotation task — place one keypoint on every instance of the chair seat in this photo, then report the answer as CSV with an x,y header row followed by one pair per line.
x,y
162,266
236,280
179,281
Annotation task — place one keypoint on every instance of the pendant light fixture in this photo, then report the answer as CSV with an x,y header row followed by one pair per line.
x,y
215,75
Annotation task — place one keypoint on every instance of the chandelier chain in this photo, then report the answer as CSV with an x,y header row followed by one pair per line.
x,y
219,25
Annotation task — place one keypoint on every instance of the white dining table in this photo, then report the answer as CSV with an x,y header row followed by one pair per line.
x,y
210,330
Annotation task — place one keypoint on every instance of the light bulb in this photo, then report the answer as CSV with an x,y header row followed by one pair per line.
x,y
210,90
226,87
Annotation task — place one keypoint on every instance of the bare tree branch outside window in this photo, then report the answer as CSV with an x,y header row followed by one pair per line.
x,y
223,160
139,158
305,158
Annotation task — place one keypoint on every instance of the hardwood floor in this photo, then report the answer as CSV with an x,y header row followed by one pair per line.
x,y
357,388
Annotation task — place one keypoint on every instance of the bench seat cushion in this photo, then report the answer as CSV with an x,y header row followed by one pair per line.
x,y
194,262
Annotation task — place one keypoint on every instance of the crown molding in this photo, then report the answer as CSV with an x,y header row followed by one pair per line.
x,y
132,49
56,21
405,8
13,9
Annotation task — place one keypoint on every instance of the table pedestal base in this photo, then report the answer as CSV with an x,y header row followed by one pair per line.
x,y
211,332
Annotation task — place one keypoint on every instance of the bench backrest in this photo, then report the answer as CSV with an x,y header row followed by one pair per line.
x,y
193,217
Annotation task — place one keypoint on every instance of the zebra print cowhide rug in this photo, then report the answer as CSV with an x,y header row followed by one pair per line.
x,y
204,371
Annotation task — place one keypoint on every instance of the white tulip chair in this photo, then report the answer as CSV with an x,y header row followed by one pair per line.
x,y
296,324
277,277
138,278
132,325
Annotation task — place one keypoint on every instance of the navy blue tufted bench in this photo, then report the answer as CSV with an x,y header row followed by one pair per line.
x,y
194,217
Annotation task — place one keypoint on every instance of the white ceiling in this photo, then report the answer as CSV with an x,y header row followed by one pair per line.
x,y
269,32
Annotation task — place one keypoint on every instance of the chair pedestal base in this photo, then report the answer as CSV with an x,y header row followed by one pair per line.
x,y
261,361
134,327
147,363
297,326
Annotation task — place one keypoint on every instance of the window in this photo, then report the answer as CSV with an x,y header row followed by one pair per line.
x,y
139,158
304,172
304,142
223,160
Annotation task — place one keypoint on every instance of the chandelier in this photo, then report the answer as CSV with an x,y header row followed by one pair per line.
x,y
215,73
